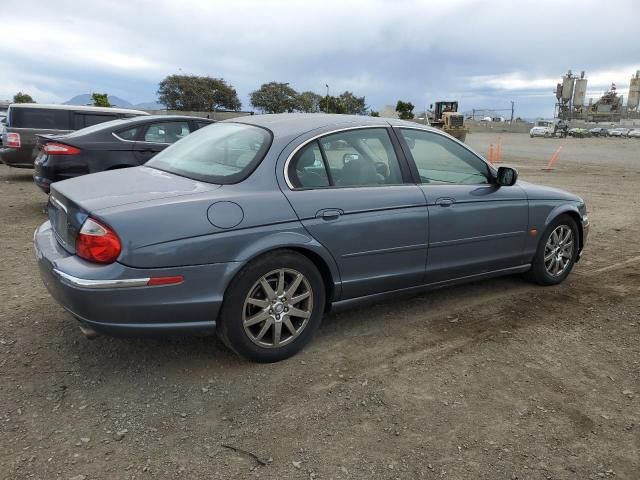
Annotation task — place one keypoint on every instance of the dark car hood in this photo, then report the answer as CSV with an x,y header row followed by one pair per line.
x,y
126,186
540,192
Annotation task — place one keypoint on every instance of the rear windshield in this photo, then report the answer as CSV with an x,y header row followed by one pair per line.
x,y
221,153
95,128
42,118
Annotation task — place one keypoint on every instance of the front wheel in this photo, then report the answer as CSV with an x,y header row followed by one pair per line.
x,y
273,307
557,252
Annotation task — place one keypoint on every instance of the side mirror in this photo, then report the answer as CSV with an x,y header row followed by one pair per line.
x,y
347,157
506,176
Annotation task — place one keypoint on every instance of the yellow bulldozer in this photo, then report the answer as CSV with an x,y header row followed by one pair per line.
x,y
446,118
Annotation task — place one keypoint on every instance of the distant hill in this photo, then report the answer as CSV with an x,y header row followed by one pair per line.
x,y
150,105
85,99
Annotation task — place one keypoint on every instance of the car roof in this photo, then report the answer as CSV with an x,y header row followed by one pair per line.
x,y
293,124
77,108
127,123
148,118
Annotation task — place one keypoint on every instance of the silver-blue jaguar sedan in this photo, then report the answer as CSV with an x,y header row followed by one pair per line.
x,y
255,227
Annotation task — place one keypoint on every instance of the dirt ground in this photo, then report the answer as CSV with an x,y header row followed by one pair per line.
x,y
499,379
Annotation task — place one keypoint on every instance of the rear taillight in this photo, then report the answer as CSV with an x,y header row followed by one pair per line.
x,y
54,148
96,242
13,140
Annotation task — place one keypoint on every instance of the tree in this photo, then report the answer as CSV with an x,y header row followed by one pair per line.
x,y
405,110
274,97
22,98
197,93
351,104
308,102
100,99
374,114
345,103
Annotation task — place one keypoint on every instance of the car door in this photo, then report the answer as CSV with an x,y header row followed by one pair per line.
x,y
350,191
159,135
475,226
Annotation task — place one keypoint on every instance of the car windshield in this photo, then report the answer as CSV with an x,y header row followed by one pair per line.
x,y
222,153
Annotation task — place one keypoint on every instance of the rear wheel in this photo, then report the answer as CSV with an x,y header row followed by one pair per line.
x,y
273,307
557,252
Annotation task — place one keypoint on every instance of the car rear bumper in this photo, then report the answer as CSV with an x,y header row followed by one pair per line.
x,y
17,157
43,183
115,299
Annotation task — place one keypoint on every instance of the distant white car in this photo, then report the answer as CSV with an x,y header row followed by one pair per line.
x,y
635,133
541,132
618,132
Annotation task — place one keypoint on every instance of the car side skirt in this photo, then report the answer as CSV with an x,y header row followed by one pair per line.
x,y
377,297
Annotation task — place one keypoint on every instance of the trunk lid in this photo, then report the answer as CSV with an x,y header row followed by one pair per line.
x,y
125,186
72,201
66,219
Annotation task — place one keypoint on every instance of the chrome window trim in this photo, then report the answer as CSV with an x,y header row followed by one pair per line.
x,y
314,138
100,284
138,141
122,139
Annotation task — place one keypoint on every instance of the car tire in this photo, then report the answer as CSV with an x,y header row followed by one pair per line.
x,y
257,319
545,270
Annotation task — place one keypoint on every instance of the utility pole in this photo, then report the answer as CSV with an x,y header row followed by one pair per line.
x,y
327,102
512,103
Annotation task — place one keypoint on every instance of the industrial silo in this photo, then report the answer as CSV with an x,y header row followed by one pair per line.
x,y
567,86
634,92
580,91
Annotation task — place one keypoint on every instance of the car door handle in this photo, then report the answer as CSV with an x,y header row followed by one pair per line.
x,y
445,202
329,214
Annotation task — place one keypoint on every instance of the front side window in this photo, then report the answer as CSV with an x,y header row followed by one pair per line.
x,y
223,153
166,132
353,158
440,160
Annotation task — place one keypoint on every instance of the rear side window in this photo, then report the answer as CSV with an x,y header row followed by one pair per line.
x,y
129,133
41,118
355,158
307,170
82,120
166,132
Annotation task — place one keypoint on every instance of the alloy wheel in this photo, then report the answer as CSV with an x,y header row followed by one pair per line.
x,y
558,252
277,308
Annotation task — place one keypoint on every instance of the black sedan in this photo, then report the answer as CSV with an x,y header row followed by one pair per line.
x,y
108,146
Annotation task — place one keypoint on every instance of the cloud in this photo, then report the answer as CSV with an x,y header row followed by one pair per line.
x,y
483,53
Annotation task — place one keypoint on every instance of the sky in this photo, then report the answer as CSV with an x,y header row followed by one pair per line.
x,y
482,53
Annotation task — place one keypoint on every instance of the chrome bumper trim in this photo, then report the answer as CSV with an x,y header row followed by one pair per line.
x,y
98,284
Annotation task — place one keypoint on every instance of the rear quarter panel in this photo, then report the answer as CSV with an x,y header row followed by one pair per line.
x,y
186,230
